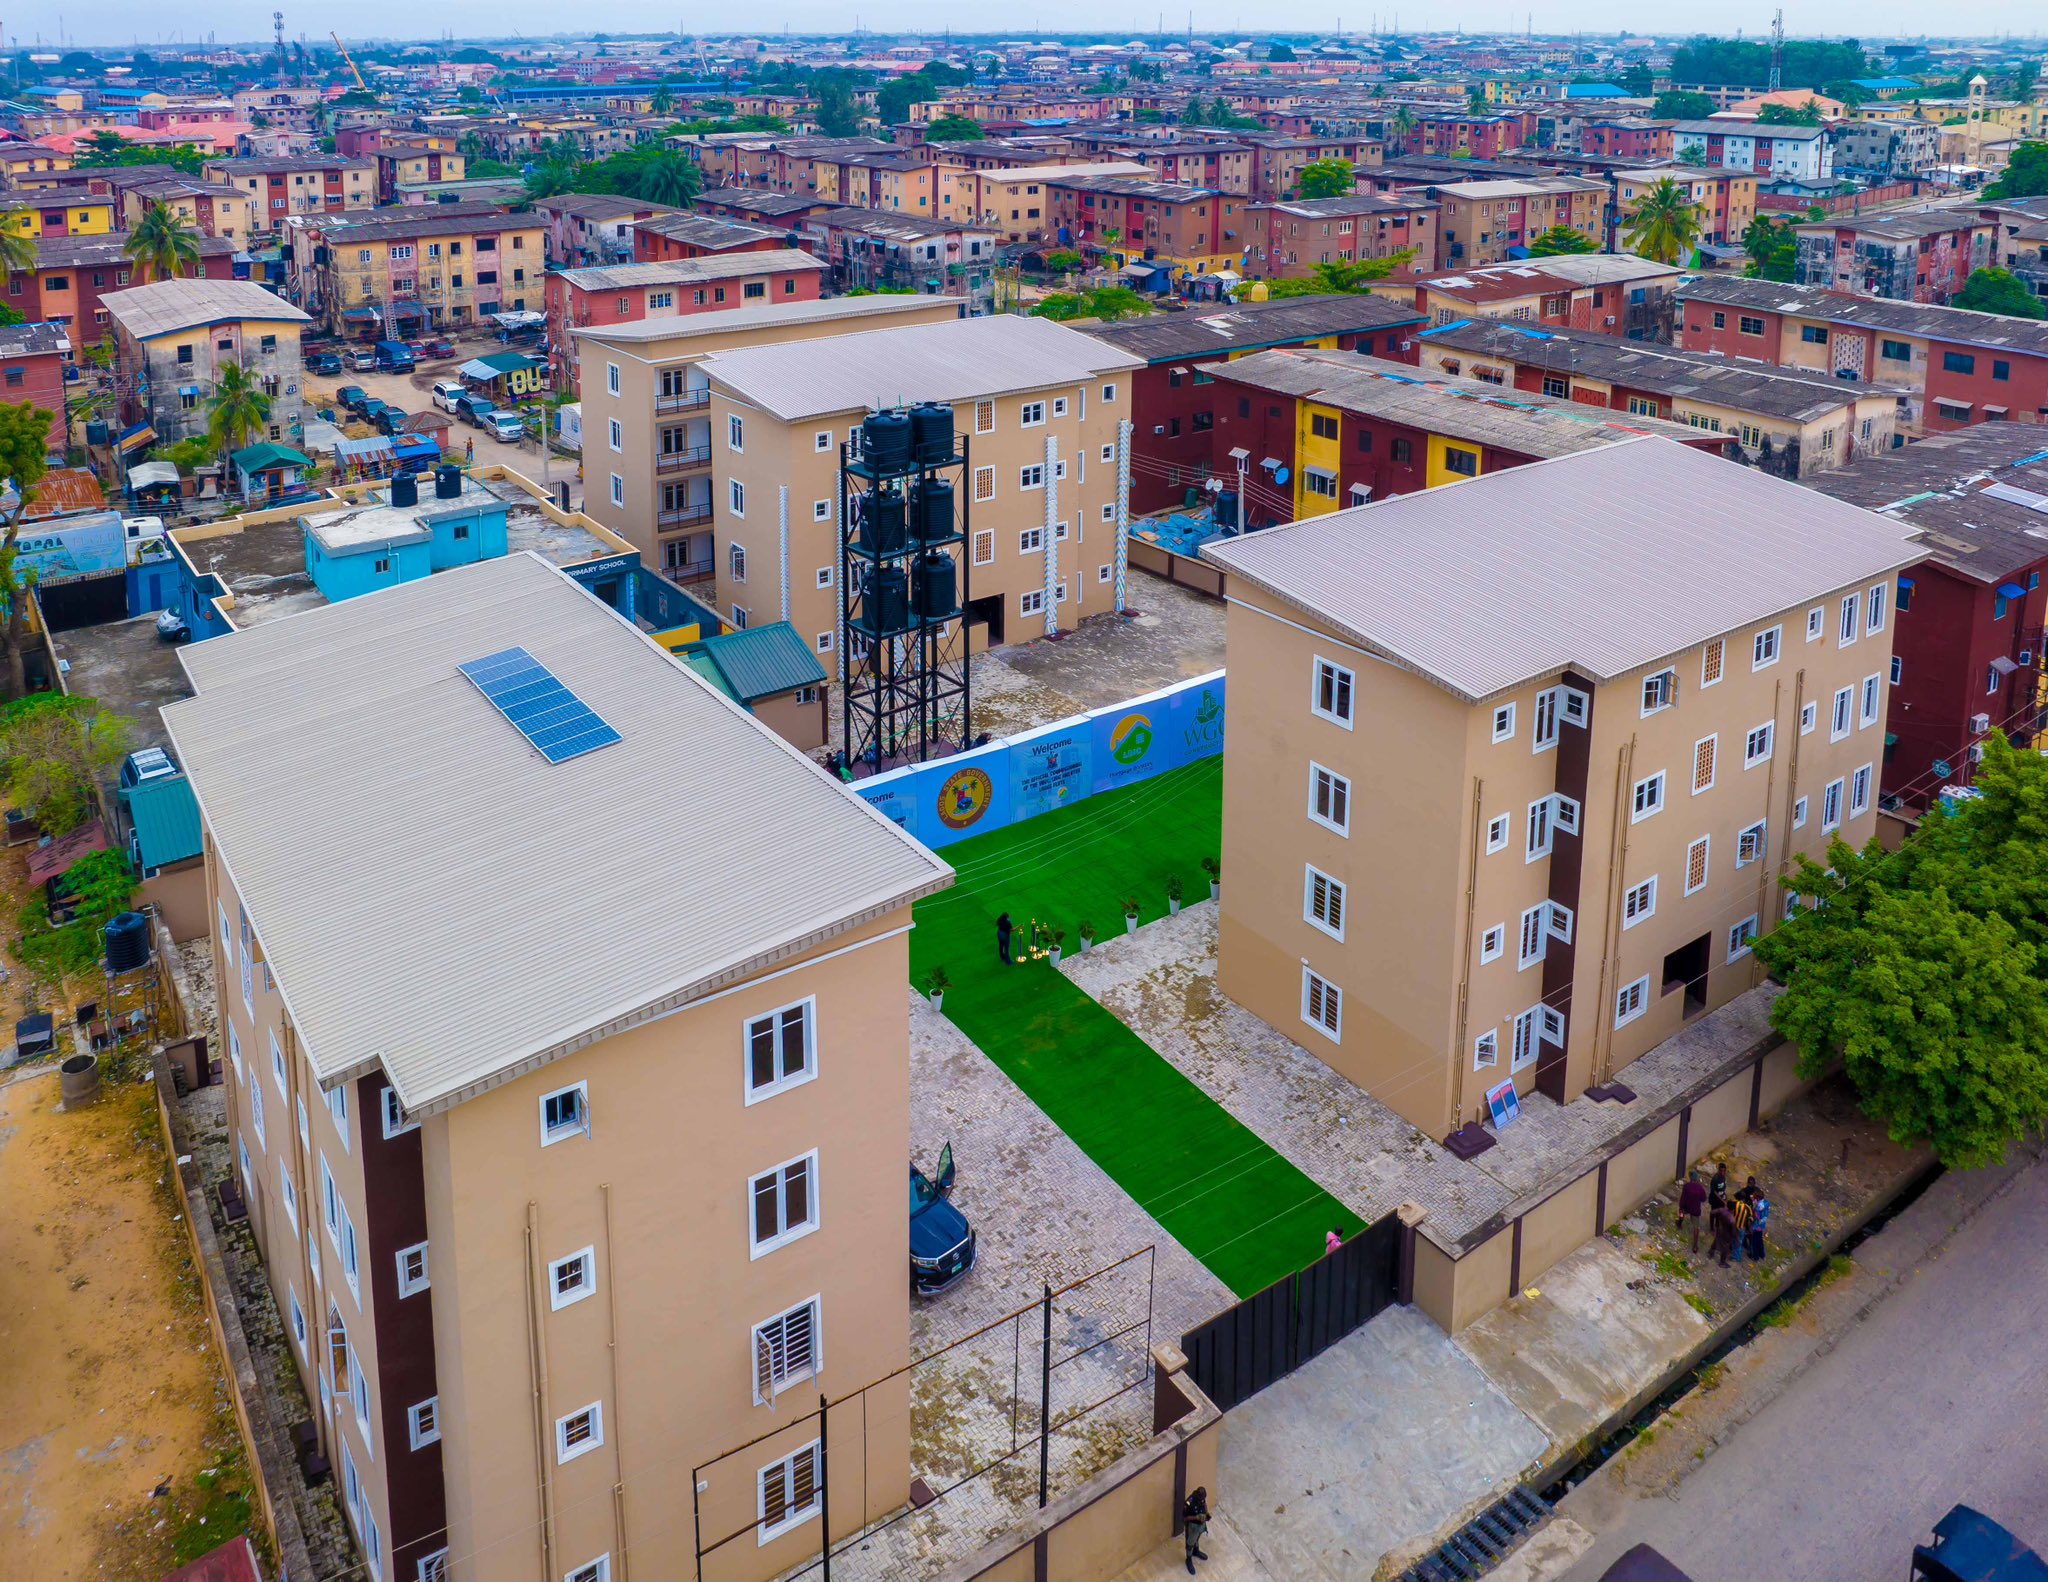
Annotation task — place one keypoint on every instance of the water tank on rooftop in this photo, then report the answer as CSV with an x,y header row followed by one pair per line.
x,y
885,441
885,606
127,940
881,528
936,587
96,432
933,516
931,434
405,489
1226,510
448,482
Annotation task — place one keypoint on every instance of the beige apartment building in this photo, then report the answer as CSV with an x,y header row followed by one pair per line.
x,y
1040,405
649,464
1528,756
553,1219
1017,203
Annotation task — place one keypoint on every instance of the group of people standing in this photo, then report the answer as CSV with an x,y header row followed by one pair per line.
x,y
1736,1221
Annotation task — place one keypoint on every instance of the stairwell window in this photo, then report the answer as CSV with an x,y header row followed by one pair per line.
x,y
412,1269
1859,791
1539,830
1649,798
1322,902
1329,799
565,1113
1492,943
1332,698
786,1351
1486,1050
395,1122
783,1204
1809,717
1751,844
1739,936
1704,752
1322,1004
423,1422
789,1493
1696,864
1816,621
1764,651
1872,689
1713,660
1525,1039
1535,936
1639,903
1497,834
1504,722
1831,806
579,1432
1543,733
1799,814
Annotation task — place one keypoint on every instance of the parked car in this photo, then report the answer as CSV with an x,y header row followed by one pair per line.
x,y
507,426
363,360
324,363
447,392
394,355
942,1249
473,409
171,627
437,348
391,419
148,763
368,408
351,397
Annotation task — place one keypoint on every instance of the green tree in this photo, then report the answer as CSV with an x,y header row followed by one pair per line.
x,y
54,749
24,458
550,179
838,115
1807,114
1562,239
163,245
2026,175
1475,100
1773,248
1639,82
954,129
238,410
1279,51
1327,178
664,101
666,175
17,252
1999,291
1664,224
1745,63
1344,277
1105,303
1679,106
1922,971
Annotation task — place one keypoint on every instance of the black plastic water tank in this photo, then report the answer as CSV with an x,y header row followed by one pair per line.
x,y
931,433
885,441
885,607
936,587
1226,510
881,527
405,489
933,518
448,482
127,939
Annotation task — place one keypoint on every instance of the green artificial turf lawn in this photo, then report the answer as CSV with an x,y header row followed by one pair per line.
x,y
1215,1185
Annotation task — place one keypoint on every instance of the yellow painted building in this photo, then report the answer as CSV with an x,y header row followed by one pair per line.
x,y
72,216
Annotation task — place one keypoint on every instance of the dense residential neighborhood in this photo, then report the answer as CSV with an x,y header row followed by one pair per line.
x,y
1375,697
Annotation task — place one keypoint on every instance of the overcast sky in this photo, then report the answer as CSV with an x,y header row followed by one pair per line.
x,y
108,23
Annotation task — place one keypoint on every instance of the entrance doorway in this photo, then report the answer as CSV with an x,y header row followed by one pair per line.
x,y
1686,968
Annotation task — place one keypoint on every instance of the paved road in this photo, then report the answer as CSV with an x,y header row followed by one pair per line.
x,y
1940,1396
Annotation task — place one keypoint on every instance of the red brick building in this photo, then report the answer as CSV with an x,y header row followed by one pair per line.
x,y
72,273
1158,219
1478,136
1626,138
1964,367
1967,637
1174,404
665,238
32,359
1288,240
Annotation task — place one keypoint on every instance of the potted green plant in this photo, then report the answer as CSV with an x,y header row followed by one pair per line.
x,y
1087,933
1173,894
1059,940
1214,869
935,985
1130,914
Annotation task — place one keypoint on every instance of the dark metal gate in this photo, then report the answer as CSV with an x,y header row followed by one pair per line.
x,y
1265,1337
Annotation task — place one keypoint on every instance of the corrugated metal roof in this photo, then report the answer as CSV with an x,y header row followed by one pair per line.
x,y
689,325
454,908
165,814
164,306
1965,326
763,661
689,271
1603,561
964,360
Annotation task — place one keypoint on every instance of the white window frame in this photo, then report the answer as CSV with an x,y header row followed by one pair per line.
x,y
234,1047
779,1083
1308,976
598,1570
1333,890
1631,1000
1755,839
618,490
434,1567
1546,722
1706,863
1504,722
1534,931
1847,632
1647,889
611,378
1639,808
566,1452
617,435
1859,790
1526,1037
395,1123
1714,775
1660,692
1540,830
1816,623
301,1335
1739,936
1713,645
277,1064
290,1192
1486,1050
410,1284
1344,681
760,1247
429,1413
1870,706
1874,608
736,497
558,1297
793,1516
562,1132
1030,414
792,1377
1499,830
1755,751
1765,646
1843,718
1809,717
1325,784
1799,814
735,433
1831,804
337,1111
1493,943
1557,921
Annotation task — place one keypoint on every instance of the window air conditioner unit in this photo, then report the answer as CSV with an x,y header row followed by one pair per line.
x,y
1976,752
1980,722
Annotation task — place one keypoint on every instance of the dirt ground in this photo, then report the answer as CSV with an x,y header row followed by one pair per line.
x,y
118,1453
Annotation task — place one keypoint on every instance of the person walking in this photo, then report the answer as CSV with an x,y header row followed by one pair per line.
x,y
1724,1234
1692,1197
469,450
1194,1518
1003,938
1740,1212
1760,1217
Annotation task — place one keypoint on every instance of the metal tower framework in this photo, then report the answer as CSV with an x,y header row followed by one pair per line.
x,y
903,679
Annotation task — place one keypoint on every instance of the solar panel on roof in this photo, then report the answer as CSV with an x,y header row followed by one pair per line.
x,y
560,725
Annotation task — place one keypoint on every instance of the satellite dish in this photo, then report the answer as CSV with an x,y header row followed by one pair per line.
x,y
1279,474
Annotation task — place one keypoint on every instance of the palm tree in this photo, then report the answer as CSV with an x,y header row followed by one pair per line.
x,y
663,102
1664,225
669,177
163,244
238,410
17,252
1404,121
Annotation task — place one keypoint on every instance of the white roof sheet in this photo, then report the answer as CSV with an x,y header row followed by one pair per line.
x,y
163,306
455,908
1603,561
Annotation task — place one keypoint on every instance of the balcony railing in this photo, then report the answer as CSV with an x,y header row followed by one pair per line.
x,y
688,571
683,460
683,516
688,401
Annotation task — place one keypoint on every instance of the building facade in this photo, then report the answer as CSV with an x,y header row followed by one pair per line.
x,y
1487,222
172,338
298,184
1289,239
414,270
1907,257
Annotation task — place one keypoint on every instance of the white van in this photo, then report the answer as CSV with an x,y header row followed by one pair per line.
x,y
446,393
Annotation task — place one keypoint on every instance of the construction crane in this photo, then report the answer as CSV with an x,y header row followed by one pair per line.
x,y
348,62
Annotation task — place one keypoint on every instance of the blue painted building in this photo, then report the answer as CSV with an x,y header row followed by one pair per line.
x,y
405,535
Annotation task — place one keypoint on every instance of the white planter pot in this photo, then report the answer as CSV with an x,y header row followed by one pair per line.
x,y
1173,907
1086,944
1215,888
1055,955
1130,924
938,1000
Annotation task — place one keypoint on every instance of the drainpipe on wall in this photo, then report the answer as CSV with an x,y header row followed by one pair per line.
x,y
1123,511
1052,547
782,542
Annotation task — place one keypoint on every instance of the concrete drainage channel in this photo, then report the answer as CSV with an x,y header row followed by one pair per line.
x,y
1496,1532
